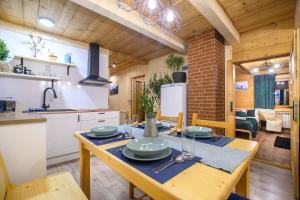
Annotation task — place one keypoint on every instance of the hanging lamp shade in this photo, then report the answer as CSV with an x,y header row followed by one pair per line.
x,y
128,5
151,11
170,20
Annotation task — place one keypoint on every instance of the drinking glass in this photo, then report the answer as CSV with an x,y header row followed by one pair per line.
x,y
188,144
128,127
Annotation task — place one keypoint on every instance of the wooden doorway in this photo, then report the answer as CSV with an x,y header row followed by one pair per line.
x,y
137,88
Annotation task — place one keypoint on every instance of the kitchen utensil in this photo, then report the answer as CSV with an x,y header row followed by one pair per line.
x,y
188,144
179,159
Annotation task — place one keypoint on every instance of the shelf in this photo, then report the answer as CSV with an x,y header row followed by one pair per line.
x,y
25,76
45,61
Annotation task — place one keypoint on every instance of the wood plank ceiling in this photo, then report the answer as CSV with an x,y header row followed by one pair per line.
x,y
78,23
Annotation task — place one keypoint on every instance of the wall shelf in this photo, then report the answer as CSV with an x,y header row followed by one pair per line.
x,y
68,65
25,76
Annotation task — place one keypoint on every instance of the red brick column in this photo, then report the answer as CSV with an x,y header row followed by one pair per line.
x,y
206,76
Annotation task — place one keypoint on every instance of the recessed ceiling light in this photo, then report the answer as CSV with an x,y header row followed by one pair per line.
x,y
114,65
45,21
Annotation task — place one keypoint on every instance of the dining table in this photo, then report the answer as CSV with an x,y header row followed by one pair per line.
x,y
197,182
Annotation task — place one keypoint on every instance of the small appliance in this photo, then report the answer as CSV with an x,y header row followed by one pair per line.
x,y
7,105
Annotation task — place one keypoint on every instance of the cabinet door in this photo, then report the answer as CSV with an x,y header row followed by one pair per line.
x,y
60,130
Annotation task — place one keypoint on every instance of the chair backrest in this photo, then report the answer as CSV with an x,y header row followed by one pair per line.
x,y
229,126
4,180
178,119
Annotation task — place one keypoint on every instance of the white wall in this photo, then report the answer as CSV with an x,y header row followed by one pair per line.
x,y
28,93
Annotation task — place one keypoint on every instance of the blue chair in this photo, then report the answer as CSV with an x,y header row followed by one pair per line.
x,y
234,196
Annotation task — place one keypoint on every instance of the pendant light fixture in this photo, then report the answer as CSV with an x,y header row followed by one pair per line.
x,y
128,5
170,20
151,11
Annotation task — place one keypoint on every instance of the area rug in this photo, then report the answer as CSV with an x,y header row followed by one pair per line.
x,y
283,142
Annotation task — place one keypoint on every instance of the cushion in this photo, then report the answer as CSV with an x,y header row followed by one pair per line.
x,y
240,114
250,113
234,196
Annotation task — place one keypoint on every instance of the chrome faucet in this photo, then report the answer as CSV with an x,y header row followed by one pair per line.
x,y
44,97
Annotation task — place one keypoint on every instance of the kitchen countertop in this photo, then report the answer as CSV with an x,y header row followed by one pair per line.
x,y
34,117
77,111
20,118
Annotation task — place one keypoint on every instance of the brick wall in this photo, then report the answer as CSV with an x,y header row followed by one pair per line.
x,y
206,87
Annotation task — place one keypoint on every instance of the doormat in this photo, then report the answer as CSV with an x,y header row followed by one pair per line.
x,y
283,142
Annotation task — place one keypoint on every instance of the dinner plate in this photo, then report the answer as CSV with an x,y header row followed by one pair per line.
x,y
130,155
199,130
205,136
147,146
92,135
104,130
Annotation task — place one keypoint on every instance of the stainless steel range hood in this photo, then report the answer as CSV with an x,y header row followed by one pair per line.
x,y
93,77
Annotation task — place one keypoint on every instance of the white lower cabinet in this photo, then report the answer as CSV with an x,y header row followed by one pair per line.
x,y
60,140
61,144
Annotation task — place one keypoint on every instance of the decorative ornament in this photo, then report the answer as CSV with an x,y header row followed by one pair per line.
x,y
36,44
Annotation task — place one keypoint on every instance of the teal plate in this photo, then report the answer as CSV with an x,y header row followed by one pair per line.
x,y
205,136
92,135
199,130
104,130
130,155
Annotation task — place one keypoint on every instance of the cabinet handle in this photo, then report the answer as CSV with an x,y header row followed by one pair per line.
x,y
78,118
101,113
101,121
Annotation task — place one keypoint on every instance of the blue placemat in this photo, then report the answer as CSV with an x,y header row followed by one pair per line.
x,y
145,167
219,140
102,141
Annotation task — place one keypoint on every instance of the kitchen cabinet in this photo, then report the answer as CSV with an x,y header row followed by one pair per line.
x,y
61,144
92,119
59,136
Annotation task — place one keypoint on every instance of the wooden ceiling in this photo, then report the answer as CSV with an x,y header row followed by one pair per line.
x,y
78,23
283,61
129,47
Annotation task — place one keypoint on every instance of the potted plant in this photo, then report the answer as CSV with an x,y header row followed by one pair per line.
x,y
4,67
175,63
147,103
155,83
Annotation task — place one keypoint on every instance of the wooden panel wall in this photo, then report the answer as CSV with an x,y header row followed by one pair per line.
x,y
244,99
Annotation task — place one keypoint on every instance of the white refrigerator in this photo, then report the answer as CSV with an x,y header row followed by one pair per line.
x,y
174,100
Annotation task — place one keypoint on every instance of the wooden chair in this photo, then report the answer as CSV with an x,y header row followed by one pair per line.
x,y
229,126
59,186
178,119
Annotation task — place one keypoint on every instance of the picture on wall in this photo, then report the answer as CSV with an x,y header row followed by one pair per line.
x,y
114,88
241,86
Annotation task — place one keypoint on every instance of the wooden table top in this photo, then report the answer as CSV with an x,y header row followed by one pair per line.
x,y
197,182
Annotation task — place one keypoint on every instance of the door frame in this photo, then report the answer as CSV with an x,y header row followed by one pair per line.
x,y
131,92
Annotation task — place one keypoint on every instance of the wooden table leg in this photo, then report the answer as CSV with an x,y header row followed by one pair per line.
x,y
242,188
85,170
131,190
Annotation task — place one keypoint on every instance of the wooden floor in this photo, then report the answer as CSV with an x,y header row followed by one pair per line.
x,y
267,182
268,152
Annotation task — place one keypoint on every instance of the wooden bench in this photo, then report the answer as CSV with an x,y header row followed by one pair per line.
x,y
58,186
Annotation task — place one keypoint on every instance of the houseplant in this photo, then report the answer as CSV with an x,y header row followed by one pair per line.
x,y
155,83
4,67
175,63
147,104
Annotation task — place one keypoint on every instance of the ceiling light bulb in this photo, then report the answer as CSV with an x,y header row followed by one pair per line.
x,y
46,22
114,65
170,16
255,70
277,66
271,71
152,4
